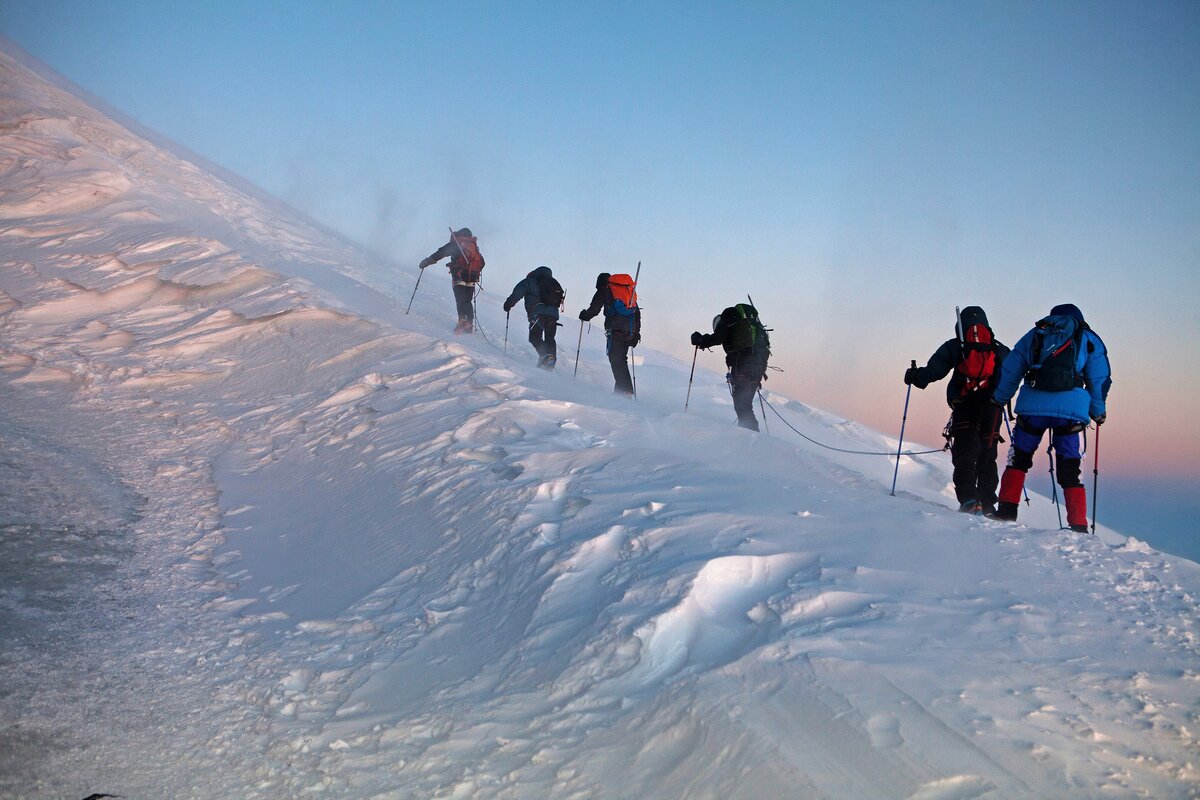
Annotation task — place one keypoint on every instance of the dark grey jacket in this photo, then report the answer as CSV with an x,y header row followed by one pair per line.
x,y
529,290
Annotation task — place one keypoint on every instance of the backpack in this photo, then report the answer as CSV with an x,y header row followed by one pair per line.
x,y
470,257
746,332
622,313
979,359
550,292
1054,353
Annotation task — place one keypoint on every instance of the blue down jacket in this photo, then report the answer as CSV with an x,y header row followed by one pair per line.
x,y
1079,404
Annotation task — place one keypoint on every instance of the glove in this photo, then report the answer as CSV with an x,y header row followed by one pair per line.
x,y
508,304
634,341
425,262
583,315
697,337
910,375
1099,419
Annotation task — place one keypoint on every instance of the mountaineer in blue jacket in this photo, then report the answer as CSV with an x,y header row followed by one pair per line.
x,y
1066,374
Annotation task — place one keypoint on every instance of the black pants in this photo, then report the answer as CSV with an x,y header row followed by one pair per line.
x,y
463,298
745,378
618,359
743,401
541,335
975,432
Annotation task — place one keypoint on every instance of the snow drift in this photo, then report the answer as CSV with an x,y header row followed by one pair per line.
x,y
265,535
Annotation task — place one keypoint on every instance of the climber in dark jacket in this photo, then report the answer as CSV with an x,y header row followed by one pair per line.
x,y
974,427
466,269
543,296
747,364
622,331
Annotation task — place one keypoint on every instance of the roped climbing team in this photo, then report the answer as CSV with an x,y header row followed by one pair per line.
x,y
1059,372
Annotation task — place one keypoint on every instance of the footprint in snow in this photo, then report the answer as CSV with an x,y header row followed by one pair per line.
x,y
885,731
508,472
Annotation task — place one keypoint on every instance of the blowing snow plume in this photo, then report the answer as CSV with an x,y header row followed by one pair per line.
x,y
264,535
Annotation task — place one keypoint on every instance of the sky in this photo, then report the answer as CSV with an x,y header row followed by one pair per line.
x,y
858,169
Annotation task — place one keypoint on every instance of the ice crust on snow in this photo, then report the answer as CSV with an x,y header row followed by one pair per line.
x,y
266,535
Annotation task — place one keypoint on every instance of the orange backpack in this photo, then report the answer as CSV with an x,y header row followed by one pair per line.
x,y
472,258
624,293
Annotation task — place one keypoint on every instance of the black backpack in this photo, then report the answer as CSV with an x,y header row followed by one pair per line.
x,y
550,292
1054,355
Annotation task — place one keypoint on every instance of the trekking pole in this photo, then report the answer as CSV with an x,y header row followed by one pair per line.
x,y
695,353
762,409
414,294
1053,483
1095,478
506,316
578,347
903,421
1008,427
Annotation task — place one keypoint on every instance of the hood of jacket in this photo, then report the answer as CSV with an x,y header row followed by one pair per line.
x,y
1067,310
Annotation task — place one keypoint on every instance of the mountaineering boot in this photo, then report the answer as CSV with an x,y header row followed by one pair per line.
x,y
970,507
464,326
988,509
1075,499
1011,485
1005,512
546,362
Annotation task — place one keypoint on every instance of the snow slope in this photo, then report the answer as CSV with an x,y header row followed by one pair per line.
x,y
265,535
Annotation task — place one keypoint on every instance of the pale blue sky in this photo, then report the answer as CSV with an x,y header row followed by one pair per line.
x,y
860,168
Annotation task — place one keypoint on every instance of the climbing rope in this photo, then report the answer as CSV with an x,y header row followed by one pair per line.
x,y
842,449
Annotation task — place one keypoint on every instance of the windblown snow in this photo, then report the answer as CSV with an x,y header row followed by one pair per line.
x,y
264,535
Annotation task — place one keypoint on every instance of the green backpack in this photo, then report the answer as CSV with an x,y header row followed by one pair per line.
x,y
746,331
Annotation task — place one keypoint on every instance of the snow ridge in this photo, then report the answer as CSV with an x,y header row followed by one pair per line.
x,y
313,545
